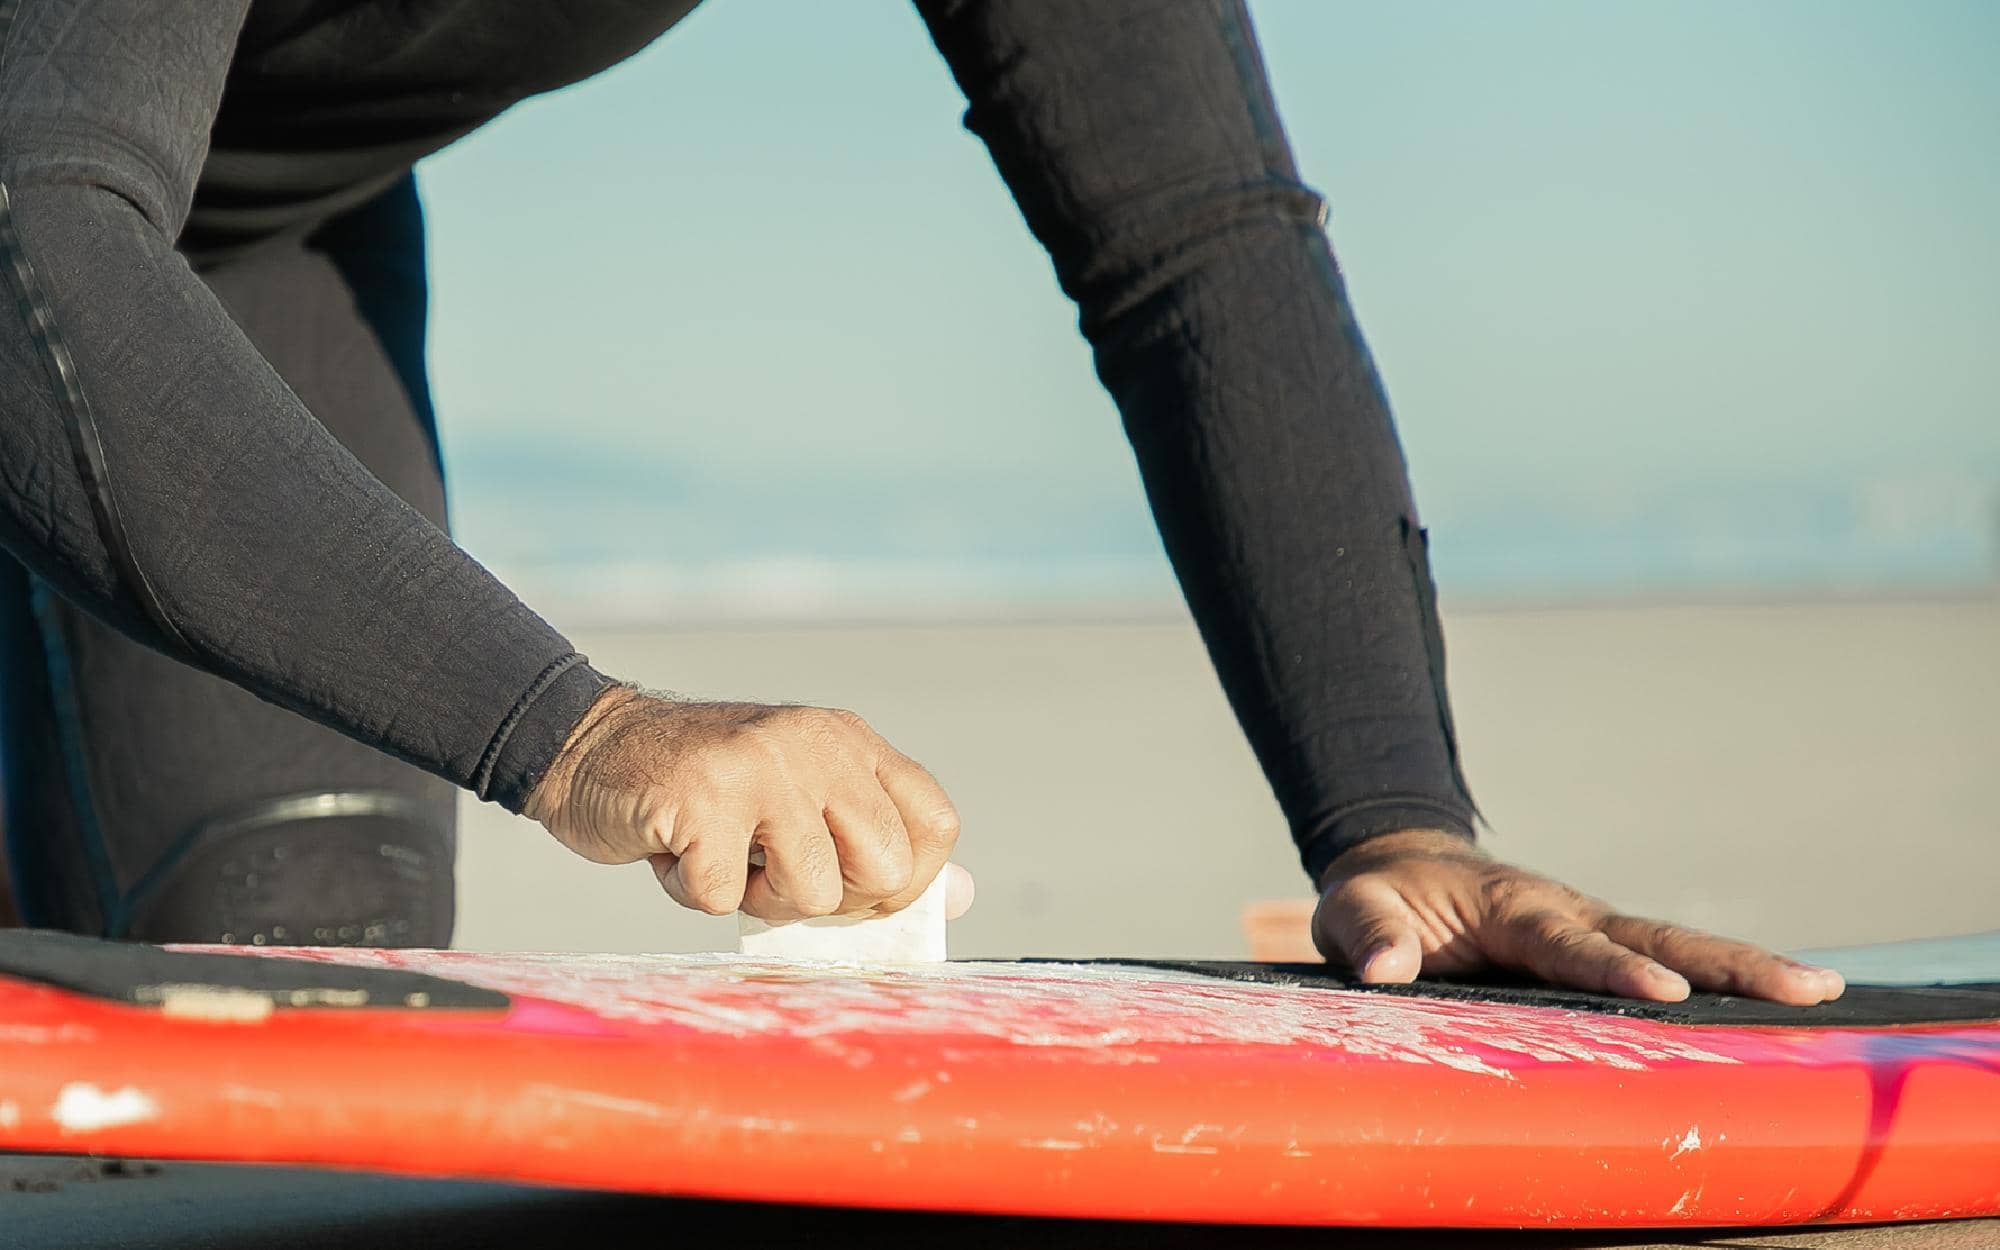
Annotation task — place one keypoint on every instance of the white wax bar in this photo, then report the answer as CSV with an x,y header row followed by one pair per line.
x,y
914,935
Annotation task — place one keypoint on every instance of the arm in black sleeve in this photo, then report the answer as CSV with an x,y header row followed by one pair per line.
x,y
156,470
1141,142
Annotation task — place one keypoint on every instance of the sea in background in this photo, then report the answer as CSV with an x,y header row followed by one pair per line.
x,y
627,538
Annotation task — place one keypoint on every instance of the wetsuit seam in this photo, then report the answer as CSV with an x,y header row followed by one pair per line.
x,y
70,735
86,443
1416,552
482,777
1201,227
145,195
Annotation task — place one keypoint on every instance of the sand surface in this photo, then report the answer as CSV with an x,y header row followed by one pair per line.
x,y
1801,774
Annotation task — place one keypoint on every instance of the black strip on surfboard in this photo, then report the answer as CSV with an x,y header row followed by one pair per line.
x,y
1862,1006
221,984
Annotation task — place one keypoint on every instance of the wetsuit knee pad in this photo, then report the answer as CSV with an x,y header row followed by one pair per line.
x,y
344,868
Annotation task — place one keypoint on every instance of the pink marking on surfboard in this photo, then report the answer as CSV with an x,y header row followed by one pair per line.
x,y
541,1015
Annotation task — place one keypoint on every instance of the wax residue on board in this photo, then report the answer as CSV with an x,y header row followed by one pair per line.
x,y
84,1108
1098,1014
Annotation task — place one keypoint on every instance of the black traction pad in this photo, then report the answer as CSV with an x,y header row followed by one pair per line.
x,y
1862,1006
148,976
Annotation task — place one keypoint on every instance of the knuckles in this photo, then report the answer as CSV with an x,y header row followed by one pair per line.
x,y
880,875
1511,894
942,825
819,899
846,719
698,780
820,722
814,876
1504,894
714,888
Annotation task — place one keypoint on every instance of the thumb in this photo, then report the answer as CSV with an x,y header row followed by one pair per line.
x,y
957,891
1365,924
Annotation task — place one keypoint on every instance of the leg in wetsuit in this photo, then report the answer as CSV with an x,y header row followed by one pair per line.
x,y
148,800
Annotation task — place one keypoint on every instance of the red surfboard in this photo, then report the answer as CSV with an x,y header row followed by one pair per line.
x,y
1190,1092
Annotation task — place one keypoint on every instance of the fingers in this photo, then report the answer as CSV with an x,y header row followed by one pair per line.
x,y
1725,966
1562,950
929,819
800,875
1365,924
798,865
1406,905
712,870
875,858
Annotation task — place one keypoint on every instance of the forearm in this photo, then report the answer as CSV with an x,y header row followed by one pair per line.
x,y
1142,145
158,472
282,563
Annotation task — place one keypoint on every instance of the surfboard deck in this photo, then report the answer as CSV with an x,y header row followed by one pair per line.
x,y
1191,1092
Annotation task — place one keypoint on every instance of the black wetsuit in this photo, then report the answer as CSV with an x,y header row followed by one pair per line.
x,y
219,474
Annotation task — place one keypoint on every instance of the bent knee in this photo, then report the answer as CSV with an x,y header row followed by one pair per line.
x,y
361,868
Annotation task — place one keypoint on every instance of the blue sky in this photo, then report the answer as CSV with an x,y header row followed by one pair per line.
x,y
1667,297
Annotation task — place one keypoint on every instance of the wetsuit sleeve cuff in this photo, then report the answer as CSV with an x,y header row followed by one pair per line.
x,y
1329,837
535,731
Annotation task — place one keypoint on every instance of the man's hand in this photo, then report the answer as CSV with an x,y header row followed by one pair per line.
x,y
1425,901
846,823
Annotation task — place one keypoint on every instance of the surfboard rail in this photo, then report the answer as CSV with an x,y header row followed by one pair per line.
x,y
1032,1089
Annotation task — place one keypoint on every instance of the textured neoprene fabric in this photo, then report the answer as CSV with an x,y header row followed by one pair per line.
x,y
136,973
1138,137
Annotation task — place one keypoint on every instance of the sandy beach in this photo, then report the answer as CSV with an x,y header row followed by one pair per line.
x,y
1801,774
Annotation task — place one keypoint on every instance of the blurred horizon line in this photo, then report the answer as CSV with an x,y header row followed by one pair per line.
x,y
836,596
630,540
